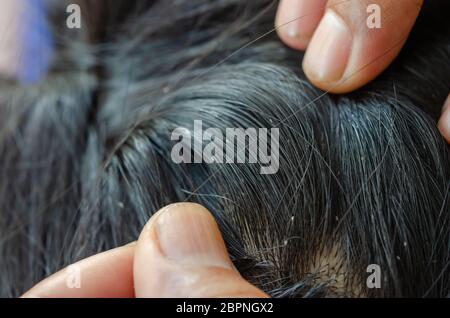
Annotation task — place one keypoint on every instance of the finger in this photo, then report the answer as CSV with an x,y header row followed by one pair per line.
x,y
356,40
106,275
181,253
444,122
297,19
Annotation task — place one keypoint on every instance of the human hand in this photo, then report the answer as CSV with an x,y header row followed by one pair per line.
x,y
180,253
342,52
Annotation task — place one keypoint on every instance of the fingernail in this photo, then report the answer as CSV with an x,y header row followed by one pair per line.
x,y
298,19
329,51
188,234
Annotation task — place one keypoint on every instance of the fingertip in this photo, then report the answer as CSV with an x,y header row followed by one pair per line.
x,y
297,20
105,275
357,41
181,253
444,121
327,56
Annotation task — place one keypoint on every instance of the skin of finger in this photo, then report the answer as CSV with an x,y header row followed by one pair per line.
x,y
156,276
105,275
444,121
373,48
303,16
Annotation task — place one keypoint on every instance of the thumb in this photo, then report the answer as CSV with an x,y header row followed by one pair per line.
x,y
356,40
181,253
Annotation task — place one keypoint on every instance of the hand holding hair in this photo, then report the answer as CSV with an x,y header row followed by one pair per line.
x,y
180,253
87,159
342,52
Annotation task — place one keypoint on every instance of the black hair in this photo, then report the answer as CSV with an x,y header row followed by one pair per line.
x,y
364,178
